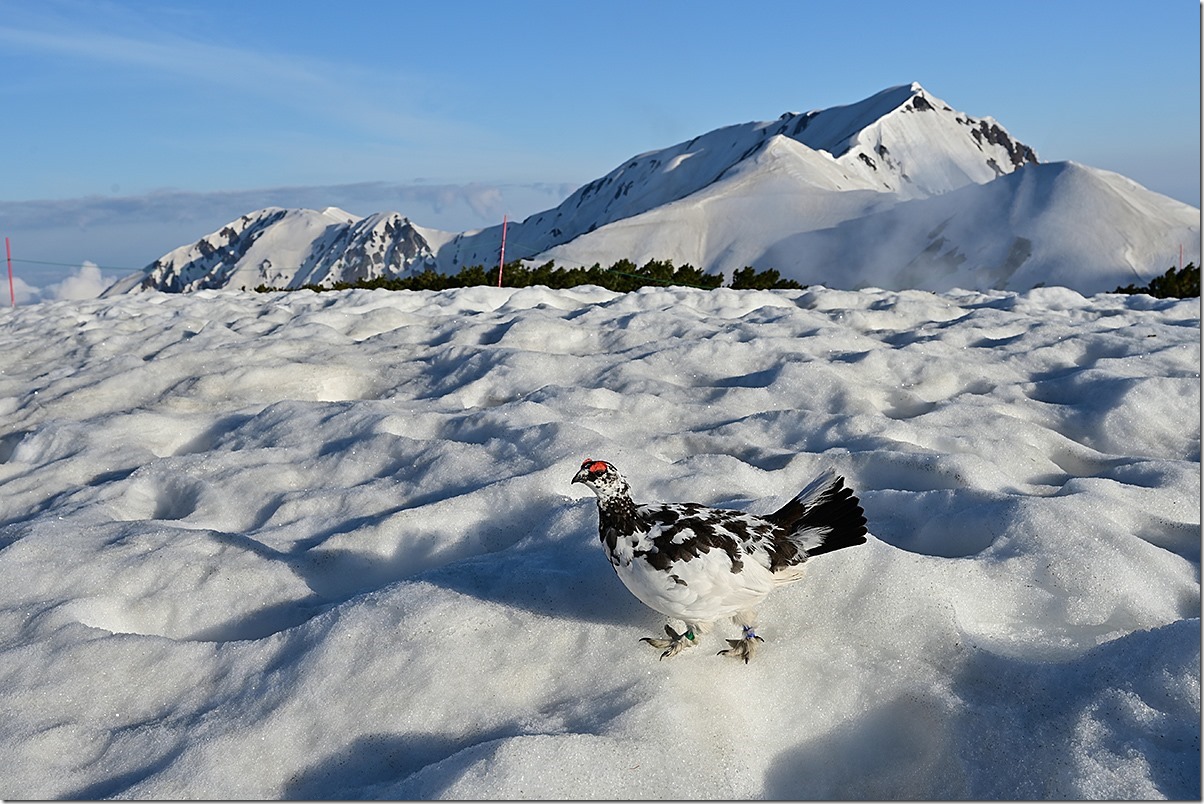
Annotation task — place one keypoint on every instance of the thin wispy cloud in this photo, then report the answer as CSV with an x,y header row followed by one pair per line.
x,y
162,51
165,53
363,104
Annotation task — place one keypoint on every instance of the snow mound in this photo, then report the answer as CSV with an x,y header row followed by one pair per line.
x,y
318,546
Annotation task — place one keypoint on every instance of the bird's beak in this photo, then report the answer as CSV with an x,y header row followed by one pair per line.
x,y
581,476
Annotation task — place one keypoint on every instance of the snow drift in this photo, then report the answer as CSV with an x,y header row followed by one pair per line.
x,y
325,546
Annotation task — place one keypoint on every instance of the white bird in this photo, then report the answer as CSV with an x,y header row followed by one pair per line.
x,y
700,565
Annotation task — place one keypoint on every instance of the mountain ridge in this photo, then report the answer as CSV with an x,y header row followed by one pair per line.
x,y
808,194
689,167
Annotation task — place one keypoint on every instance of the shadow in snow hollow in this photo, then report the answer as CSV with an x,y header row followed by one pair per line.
x,y
558,572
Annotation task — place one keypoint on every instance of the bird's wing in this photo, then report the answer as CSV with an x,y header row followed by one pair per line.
x,y
689,531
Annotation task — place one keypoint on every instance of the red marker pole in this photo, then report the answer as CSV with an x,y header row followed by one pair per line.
x,y
502,260
8,253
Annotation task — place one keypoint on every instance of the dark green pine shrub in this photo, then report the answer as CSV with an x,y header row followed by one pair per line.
x,y
1173,284
622,276
747,278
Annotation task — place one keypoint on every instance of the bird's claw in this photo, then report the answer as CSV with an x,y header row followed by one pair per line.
x,y
674,645
742,648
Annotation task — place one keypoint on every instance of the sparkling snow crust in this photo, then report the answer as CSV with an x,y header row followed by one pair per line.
x,y
324,545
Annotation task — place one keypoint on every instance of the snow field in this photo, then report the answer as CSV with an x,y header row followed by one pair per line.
x,y
325,546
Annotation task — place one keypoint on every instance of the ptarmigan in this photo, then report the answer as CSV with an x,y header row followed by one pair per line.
x,y
700,565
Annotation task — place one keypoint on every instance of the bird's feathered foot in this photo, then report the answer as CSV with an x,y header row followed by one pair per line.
x,y
675,644
742,648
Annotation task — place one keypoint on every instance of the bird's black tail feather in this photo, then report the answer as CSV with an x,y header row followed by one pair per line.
x,y
825,516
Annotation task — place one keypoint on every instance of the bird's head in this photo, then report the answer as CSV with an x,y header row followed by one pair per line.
x,y
602,478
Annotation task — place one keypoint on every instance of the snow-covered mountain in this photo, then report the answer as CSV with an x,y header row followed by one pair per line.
x,y
896,191
901,142
290,248
1057,223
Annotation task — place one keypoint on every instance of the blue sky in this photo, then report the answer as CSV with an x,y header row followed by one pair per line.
x,y
134,127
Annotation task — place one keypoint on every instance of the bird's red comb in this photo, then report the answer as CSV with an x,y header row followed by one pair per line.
x,y
592,466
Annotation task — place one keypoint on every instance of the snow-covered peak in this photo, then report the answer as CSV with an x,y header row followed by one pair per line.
x,y
901,140
338,214
907,141
289,248
833,129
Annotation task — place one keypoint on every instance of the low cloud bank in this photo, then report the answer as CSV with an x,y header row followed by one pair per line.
x,y
124,234
87,282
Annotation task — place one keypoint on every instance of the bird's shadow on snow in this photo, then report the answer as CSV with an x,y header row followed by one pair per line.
x,y
549,564
558,571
